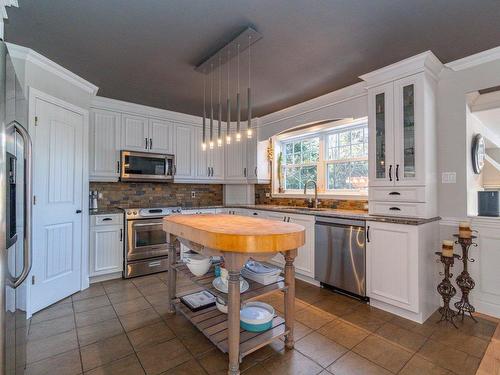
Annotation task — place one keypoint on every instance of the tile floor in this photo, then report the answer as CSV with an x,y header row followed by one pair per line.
x,y
121,327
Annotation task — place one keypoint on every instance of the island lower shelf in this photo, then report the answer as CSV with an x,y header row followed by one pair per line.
x,y
213,324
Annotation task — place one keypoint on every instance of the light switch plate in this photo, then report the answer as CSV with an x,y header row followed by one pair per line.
x,y
449,177
193,194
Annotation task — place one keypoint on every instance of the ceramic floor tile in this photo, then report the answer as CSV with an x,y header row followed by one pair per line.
x,y
320,349
118,285
129,365
215,362
181,326
353,364
51,327
313,317
139,319
457,339
335,305
94,290
150,335
419,366
163,357
124,295
362,319
154,288
197,343
448,357
128,307
291,362
343,333
406,339
191,367
52,312
103,352
425,329
383,353
67,363
51,346
100,314
146,280
100,331
90,303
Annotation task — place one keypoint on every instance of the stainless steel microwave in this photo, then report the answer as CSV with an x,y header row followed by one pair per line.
x,y
145,166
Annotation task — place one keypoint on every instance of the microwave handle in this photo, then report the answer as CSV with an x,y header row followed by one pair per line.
x,y
27,256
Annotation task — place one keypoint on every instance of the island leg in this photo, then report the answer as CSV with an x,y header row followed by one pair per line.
x,y
172,273
289,296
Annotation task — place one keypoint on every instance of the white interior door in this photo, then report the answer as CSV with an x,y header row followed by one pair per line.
x,y
57,187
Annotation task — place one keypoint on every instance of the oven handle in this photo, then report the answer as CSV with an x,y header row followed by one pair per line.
x,y
146,224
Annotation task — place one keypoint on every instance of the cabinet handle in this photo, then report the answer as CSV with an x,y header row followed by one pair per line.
x,y
255,172
107,219
390,172
255,214
394,193
288,220
121,235
395,209
150,143
175,170
208,169
368,233
78,211
117,167
397,172
212,169
146,141
245,172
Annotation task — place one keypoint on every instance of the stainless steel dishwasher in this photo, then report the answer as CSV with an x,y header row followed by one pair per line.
x,y
340,254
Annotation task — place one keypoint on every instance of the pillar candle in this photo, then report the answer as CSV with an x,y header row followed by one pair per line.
x,y
464,230
447,250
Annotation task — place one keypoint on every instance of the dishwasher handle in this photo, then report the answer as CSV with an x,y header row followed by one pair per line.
x,y
339,221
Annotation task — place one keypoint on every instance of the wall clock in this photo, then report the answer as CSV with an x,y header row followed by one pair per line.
x,y
478,153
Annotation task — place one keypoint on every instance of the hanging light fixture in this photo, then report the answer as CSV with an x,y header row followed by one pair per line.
x,y
228,115
204,140
238,104
249,93
211,144
219,139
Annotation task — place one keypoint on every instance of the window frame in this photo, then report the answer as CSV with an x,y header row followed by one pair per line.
x,y
317,163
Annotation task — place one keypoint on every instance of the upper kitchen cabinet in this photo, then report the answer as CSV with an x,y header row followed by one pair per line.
x,y
105,132
160,136
135,133
184,150
236,170
402,137
258,166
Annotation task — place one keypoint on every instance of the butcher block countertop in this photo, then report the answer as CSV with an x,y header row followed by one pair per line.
x,y
237,234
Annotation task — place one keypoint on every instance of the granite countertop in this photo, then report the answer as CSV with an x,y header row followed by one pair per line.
x,y
107,211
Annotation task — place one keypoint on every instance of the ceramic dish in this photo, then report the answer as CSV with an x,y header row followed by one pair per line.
x,y
221,287
221,305
256,316
198,265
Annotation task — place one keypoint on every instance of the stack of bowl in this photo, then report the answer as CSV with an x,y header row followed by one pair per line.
x,y
197,263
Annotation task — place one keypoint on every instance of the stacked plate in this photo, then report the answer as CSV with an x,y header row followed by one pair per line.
x,y
261,273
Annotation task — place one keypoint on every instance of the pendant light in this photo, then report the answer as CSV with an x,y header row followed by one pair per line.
x,y
211,144
249,94
219,139
204,136
228,115
238,104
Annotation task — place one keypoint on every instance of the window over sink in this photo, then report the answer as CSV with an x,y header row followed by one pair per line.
x,y
333,154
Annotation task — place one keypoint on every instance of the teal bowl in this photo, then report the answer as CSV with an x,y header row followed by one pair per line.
x,y
256,327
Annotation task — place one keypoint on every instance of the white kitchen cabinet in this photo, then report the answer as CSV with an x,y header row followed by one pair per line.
x,y
209,163
401,269
258,166
135,133
104,141
236,162
160,136
184,146
106,244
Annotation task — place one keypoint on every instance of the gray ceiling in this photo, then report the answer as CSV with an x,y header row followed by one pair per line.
x,y
145,51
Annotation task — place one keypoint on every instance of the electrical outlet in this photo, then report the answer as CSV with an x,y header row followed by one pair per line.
x,y
268,195
193,194
449,177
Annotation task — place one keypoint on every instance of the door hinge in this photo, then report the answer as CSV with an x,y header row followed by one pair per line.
x,y
33,280
36,120
34,200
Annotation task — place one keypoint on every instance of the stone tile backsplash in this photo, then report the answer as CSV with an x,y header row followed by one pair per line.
x,y
145,194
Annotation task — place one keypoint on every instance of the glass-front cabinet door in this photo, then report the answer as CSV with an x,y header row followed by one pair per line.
x,y
381,127
408,130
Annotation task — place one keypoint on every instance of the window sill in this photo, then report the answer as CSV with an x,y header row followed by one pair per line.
x,y
340,196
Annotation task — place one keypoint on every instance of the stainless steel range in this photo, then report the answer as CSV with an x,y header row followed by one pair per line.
x,y
146,245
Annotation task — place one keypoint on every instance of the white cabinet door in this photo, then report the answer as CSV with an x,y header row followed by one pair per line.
x,y
252,159
304,262
381,139
409,158
160,136
184,142
202,171
216,162
135,133
106,250
392,264
236,162
104,142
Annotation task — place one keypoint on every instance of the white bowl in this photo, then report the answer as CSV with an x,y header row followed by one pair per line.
x,y
198,268
221,305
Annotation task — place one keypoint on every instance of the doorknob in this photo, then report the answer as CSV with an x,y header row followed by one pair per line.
x,y
78,211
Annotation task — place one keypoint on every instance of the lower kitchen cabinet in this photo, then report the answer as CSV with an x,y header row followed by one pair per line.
x,y
401,272
106,244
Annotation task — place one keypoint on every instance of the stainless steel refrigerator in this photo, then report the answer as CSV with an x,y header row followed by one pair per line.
x,y
15,218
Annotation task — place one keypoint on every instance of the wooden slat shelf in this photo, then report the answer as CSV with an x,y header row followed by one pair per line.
x,y
256,289
213,324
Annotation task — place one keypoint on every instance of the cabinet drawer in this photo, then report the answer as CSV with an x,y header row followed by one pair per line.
x,y
398,194
397,209
113,219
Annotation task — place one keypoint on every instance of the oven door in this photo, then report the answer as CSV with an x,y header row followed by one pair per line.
x,y
143,166
146,239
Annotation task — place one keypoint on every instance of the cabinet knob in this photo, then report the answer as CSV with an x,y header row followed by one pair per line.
x,y
78,211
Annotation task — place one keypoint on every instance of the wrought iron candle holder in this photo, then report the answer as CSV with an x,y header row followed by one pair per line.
x,y
446,289
464,280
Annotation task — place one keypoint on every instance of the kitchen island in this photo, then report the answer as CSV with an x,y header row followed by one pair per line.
x,y
237,239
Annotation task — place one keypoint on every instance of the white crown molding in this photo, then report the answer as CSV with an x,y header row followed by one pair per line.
x,y
423,62
33,57
474,60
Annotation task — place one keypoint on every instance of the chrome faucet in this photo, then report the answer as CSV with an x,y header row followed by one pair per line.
x,y
312,203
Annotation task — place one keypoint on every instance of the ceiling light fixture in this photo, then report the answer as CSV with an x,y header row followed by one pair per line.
x,y
228,115
211,144
219,139
204,136
249,94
